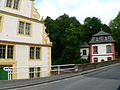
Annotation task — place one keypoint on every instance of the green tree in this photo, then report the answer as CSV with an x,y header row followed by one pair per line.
x,y
92,26
65,33
115,30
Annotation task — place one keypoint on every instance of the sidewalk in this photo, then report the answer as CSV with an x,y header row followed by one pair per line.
x,y
29,82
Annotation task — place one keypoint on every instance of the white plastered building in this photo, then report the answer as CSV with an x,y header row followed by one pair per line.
x,y
24,44
101,48
84,51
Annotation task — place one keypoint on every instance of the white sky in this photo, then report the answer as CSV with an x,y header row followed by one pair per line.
x,y
103,9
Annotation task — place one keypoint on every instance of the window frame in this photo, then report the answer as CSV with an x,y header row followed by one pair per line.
x,y
95,51
105,38
107,50
24,28
36,72
95,59
35,51
97,38
12,5
109,59
102,60
6,52
84,52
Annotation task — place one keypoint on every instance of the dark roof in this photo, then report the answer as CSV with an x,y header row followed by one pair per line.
x,y
101,33
102,37
84,45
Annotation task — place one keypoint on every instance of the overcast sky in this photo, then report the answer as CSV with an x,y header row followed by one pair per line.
x,y
103,9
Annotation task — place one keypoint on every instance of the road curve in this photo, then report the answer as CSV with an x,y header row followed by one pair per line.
x,y
106,79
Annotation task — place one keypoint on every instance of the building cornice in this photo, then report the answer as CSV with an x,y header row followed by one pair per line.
x,y
21,16
25,43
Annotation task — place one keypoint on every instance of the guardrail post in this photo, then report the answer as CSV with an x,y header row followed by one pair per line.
x,y
58,69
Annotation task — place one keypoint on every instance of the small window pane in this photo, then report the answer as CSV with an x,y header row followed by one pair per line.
x,y
109,58
95,60
27,29
95,49
10,52
16,2
106,37
102,60
31,72
37,53
109,49
37,71
9,3
96,38
32,52
21,27
2,51
84,52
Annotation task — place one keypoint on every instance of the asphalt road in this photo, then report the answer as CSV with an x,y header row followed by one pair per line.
x,y
106,79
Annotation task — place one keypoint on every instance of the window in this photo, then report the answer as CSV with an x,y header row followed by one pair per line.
x,y
95,49
109,58
24,28
6,51
96,38
106,38
31,72
34,53
12,4
32,49
2,51
37,72
37,53
34,72
102,60
95,60
16,2
109,49
9,3
21,27
10,52
84,52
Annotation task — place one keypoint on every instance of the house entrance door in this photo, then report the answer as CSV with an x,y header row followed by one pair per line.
x,y
4,74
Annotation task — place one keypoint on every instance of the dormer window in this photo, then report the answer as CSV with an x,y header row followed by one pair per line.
x,y
96,38
106,38
12,4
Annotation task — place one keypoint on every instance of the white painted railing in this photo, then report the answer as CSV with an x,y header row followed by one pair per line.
x,y
53,70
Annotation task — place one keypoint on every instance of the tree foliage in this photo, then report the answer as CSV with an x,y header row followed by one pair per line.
x,y
115,30
92,26
67,34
